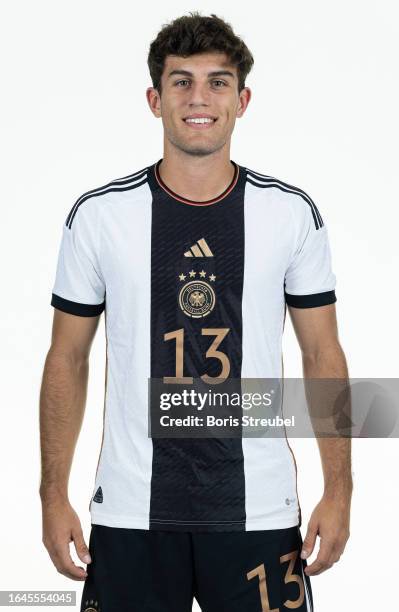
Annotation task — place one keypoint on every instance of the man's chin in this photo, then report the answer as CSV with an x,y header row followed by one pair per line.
x,y
194,147
198,150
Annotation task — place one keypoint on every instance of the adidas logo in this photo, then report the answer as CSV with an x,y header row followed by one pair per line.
x,y
98,496
199,249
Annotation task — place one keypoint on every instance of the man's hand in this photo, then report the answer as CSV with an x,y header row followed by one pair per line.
x,y
61,525
330,520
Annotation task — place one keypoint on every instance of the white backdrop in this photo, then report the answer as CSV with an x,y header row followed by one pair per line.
x,y
323,117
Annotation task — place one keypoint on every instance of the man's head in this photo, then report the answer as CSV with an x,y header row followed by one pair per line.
x,y
198,67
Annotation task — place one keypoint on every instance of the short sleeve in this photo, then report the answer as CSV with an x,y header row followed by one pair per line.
x,y
79,288
309,279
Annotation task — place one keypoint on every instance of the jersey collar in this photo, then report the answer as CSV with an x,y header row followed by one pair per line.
x,y
157,183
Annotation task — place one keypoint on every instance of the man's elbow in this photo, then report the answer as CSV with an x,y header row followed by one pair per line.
x,y
325,357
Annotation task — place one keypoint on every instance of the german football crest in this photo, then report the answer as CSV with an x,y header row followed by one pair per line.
x,y
91,606
197,299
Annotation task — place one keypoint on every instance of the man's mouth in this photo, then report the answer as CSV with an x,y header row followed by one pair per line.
x,y
200,121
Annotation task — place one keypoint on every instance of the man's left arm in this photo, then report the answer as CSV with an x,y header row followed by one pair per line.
x,y
323,358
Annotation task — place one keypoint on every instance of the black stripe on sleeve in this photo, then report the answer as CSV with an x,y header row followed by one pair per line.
x,y
81,310
312,300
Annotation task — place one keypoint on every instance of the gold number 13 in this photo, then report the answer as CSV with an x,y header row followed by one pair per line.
x,y
289,577
178,335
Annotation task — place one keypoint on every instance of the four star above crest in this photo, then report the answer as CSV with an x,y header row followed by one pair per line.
x,y
192,274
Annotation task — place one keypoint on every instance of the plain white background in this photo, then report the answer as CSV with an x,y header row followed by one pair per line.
x,y
323,117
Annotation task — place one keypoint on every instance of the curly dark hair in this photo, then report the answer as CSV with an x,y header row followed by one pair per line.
x,y
195,33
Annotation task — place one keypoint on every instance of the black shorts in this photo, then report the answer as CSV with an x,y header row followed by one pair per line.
x,y
135,570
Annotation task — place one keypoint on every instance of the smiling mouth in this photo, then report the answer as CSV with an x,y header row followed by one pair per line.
x,y
200,122
200,119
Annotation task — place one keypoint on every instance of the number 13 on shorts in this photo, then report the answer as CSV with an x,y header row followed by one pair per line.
x,y
298,588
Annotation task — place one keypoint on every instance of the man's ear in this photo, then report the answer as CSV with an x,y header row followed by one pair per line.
x,y
244,98
154,101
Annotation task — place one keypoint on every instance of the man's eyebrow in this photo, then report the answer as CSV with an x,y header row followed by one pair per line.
x,y
214,73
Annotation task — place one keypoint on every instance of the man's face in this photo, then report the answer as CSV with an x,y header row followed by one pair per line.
x,y
199,102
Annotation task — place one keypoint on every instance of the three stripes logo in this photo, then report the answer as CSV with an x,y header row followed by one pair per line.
x,y
199,249
98,497
91,606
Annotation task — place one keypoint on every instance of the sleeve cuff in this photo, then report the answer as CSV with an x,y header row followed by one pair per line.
x,y
312,300
75,308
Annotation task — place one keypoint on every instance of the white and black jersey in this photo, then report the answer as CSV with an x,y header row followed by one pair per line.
x,y
159,265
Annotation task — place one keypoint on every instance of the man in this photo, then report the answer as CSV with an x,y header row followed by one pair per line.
x,y
194,259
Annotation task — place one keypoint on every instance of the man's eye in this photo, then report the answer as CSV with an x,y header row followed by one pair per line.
x,y
182,81
219,81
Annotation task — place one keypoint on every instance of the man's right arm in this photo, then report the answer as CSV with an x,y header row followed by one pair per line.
x,y
62,403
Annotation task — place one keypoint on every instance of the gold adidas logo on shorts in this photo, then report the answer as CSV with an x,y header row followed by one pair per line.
x,y
91,606
199,249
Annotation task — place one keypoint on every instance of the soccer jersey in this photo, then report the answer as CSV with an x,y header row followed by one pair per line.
x,y
191,289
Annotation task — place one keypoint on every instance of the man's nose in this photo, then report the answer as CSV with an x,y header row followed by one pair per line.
x,y
199,94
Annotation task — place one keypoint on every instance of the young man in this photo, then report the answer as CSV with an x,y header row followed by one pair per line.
x,y
194,260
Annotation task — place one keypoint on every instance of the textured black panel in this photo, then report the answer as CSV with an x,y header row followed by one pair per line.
x,y
197,481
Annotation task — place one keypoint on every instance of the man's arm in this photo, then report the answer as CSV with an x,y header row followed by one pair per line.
x,y
62,404
323,357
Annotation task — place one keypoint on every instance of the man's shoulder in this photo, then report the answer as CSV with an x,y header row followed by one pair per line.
x,y
90,201
296,198
266,181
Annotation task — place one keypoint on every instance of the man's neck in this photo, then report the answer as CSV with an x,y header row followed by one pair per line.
x,y
197,178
